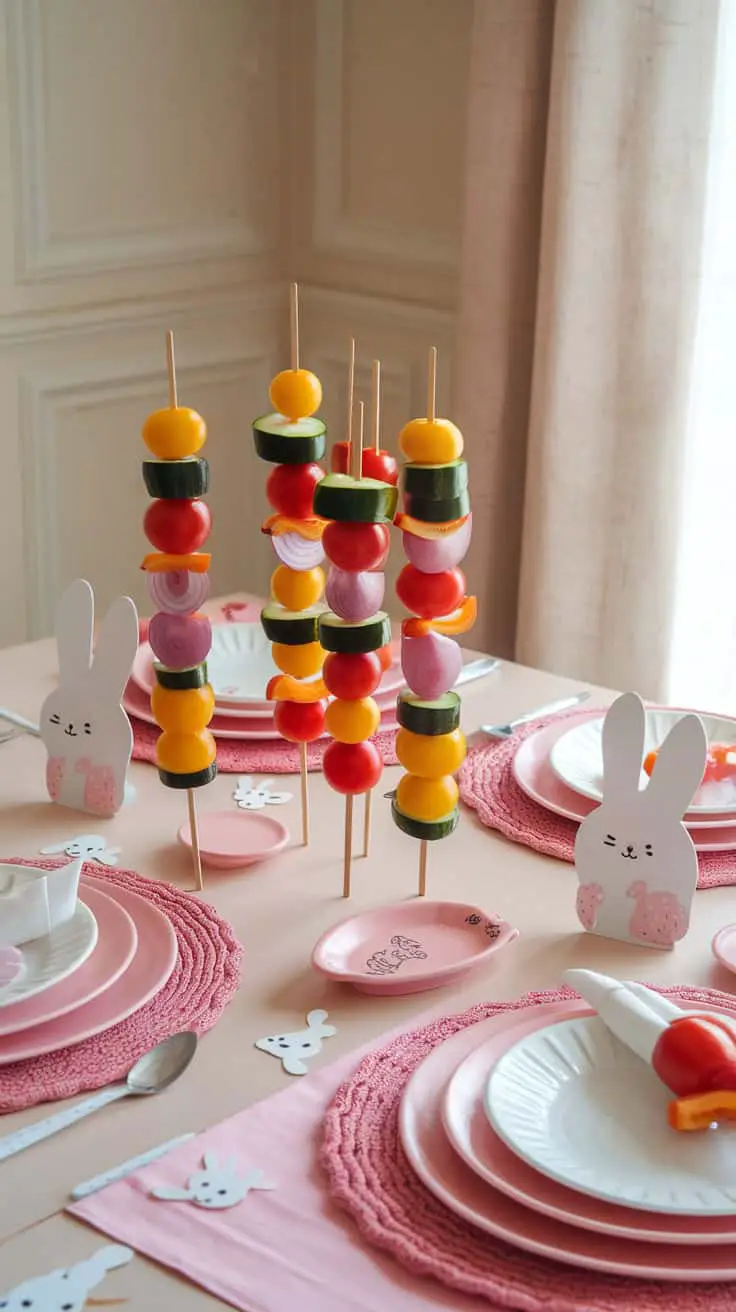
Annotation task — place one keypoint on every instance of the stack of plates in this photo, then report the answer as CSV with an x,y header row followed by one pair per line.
x,y
540,1128
117,951
239,667
561,768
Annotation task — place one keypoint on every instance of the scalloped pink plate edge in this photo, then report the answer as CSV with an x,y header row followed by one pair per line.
x,y
410,947
723,947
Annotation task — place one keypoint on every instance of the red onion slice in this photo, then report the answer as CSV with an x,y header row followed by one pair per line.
x,y
354,597
180,641
298,552
431,664
178,591
433,555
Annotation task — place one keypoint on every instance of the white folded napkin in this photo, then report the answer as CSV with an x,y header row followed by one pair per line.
x,y
33,901
633,1013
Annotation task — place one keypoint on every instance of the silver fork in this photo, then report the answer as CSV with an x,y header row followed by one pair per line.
x,y
506,730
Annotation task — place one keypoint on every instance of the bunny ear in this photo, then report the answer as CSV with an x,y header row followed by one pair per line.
x,y
74,621
170,1194
115,650
316,1018
678,769
55,847
623,747
110,1257
211,1161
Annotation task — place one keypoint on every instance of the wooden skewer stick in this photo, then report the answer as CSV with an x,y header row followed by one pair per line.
x,y
351,400
432,385
294,324
191,802
304,777
422,867
356,448
367,822
376,406
348,845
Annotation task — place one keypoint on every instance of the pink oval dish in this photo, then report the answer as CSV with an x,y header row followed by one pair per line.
x,y
229,840
408,947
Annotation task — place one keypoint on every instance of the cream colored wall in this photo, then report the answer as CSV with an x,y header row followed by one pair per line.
x,y
173,163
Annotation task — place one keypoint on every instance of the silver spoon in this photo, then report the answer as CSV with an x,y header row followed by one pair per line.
x,y
151,1073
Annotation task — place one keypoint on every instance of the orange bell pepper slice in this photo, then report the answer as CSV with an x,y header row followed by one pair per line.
x,y
285,688
311,528
702,1109
428,531
460,621
158,562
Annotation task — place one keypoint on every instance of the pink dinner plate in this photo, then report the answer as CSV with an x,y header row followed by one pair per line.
x,y
410,946
143,676
229,840
247,728
147,973
535,777
723,947
450,1179
117,939
11,966
471,1135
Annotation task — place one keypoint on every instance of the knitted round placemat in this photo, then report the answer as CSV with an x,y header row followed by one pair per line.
x,y
204,979
487,784
265,756
369,1175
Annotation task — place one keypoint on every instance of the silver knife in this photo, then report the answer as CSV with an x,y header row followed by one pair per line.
x,y
477,669
563,704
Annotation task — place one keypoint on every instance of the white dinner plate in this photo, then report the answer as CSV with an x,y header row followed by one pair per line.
x,y
48,960
585,1111
577,756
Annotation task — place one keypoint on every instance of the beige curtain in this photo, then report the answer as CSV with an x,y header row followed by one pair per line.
x,y
587,157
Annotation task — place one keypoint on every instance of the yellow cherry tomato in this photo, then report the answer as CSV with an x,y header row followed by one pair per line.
x,y
427,799
296,393
352,721
297,589
430,756
174,433
301,662
185,753
431,441
182,710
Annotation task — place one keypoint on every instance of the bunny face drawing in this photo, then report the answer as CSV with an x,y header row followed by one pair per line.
x,y
216,1186
637,835
254,797
67,1289
295,1049
82,723
91,847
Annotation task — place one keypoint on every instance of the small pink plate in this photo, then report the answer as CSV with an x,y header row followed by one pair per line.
x,y
723,947
408,947
535,777
229,840
471,1135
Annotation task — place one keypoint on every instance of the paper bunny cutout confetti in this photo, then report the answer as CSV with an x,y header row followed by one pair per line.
x,y
82,723
91,847
636,864
215,1186
296,1049
68,1287
254,797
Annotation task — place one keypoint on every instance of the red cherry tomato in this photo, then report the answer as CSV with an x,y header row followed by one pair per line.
x,y
177,525
300,722
290,489
696,1054
356,547
354,676
385,656
430,595
375,464
352,767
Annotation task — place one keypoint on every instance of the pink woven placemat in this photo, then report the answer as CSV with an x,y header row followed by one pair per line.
x,y
487,784
270,756
203,981
369,1175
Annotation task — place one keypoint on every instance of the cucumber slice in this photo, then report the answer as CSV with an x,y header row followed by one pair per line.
x,y
178,479
291,627
285,441
194,677
436,482
355,500
429,830
336,634
440,511
195,779
428,718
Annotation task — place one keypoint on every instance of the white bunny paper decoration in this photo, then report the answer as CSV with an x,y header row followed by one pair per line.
x,y
295,1049
67,1287
636,864
91,847
83,725
215,1186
